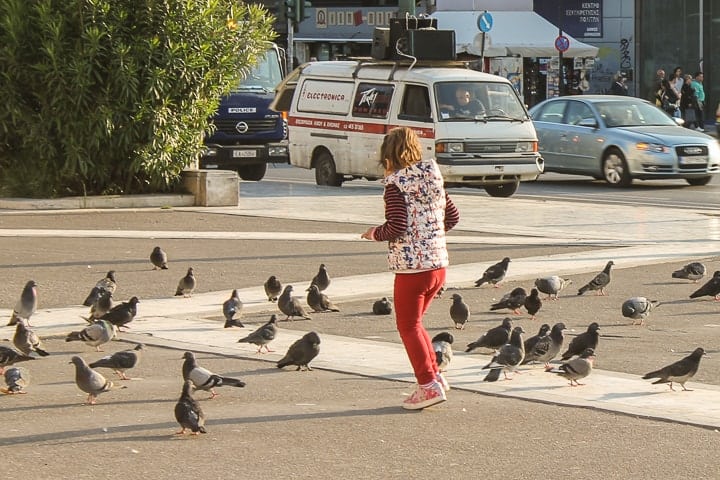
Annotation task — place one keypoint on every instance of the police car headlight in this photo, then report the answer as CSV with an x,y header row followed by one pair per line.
x,y
277,151
210,152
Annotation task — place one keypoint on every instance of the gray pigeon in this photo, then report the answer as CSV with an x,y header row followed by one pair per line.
x,y
587,339
495,273
27,341
694,271
231,307
16,379
26,305
159,259
318,301
302,352
382,307
442,344
188,412
187,284
638,308
263,335
512,301
532,303
711,288
507,358
204,379
9,357
459,311
599,282
119,362
273,288
122,314
678,372
577,368
547,347
494,338
99,333
321,279
105,284
530,342
291,306
552,285
101,306
89,381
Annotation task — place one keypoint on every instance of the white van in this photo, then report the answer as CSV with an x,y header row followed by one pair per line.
x,y
339,112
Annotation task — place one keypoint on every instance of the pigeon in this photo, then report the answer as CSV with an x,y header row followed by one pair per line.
x,y
442,345
577,368
16,379
89,381
27,341
321,279
106,284
512,301
533,303
26,305
547,347
531,341
273,288
9,357
318,301
587,339
692,271
638,308
552,286
101,306
507,358
263,335
158,258
290,306
711,288
122,314
231,307
678,372
99,333
495,273
599,282
187,284
382,307
204,379
121,361
302,352
459,311
494,338
188,412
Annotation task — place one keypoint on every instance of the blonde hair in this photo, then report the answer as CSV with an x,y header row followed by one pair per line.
x,y
400,148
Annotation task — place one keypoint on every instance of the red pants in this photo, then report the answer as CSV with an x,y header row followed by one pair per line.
x,y
413,293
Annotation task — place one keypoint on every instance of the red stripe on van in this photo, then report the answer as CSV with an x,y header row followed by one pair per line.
x,y
352,126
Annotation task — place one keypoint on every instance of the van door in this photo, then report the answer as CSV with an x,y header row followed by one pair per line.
x,y
415,112
368,122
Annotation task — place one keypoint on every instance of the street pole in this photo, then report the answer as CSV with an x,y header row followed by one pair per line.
x,y
560,53
291,47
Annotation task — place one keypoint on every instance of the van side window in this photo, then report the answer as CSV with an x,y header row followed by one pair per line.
x,y
372,100
416,103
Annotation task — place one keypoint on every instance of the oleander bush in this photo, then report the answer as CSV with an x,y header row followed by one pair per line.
x,y
113,96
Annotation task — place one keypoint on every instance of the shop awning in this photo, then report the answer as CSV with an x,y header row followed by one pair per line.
x,y
513,33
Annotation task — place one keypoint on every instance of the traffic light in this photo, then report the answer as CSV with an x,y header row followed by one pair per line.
x,y
296,10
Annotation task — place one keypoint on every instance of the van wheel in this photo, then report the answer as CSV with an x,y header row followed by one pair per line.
x,y
253,173
502,190
325,173
698,181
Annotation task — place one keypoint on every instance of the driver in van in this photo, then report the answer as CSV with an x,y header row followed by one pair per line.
x,y
464,104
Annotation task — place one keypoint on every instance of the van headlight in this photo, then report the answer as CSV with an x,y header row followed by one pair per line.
x,y
450,147
524,147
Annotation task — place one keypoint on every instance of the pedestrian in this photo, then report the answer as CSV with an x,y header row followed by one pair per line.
x,y
688,103
418,212
666,99
619,87
677,81
697,84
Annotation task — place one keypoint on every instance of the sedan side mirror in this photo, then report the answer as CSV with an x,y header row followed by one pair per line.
x,y
588,122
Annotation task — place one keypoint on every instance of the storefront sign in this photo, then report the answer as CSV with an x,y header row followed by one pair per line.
x,y
578,18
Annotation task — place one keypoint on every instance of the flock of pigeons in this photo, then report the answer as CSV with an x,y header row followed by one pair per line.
x,y
106,319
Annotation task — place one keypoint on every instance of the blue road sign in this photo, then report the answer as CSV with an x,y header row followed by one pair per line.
x,y
562,43
485,22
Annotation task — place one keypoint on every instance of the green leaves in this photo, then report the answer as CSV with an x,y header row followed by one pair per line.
x,y
112,96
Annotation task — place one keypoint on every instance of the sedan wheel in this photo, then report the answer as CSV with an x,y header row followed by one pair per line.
x,y
615,169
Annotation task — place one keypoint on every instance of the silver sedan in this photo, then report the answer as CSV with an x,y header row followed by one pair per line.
x,y
619,139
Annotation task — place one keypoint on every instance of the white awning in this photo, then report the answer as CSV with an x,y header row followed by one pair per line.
x,y
513,33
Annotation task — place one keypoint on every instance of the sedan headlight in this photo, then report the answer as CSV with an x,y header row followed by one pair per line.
x,y
652,147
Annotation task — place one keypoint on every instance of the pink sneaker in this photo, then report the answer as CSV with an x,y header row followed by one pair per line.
x,y
424,397
443,383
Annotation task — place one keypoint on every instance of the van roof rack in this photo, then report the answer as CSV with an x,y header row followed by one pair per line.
x,y
401,63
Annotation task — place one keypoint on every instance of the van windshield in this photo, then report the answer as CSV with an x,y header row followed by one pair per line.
x,y
478,101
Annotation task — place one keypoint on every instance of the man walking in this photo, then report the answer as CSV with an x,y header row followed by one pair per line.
x,y
697,85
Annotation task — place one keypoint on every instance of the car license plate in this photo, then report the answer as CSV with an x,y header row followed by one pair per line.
x,y
699,160
244,154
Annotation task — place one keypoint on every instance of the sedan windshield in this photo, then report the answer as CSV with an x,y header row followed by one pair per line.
x,y
632,114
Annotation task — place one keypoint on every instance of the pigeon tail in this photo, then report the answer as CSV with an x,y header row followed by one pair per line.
x,y
230,382
41,352
233,323
493,375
